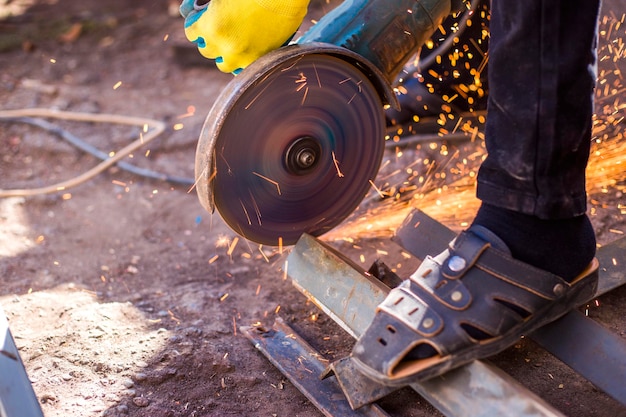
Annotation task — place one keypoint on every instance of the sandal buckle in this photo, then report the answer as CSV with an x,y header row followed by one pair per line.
x,y
449,291
404,306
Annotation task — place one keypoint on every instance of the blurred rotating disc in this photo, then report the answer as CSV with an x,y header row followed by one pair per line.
x,y
291,146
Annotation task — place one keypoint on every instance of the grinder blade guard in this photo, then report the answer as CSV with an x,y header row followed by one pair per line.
x,y
293,143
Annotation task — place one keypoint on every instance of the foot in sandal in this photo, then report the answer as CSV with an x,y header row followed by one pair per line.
x,y
479,296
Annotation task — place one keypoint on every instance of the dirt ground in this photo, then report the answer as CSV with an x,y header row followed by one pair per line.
x,y
124,296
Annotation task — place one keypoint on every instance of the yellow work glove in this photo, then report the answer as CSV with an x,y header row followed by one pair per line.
x,y
237,32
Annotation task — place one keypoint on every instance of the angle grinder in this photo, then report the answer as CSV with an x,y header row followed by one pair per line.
x,y
294,142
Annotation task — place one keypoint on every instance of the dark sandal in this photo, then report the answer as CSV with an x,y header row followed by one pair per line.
x,y
471,301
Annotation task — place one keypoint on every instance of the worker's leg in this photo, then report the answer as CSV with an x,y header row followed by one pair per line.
x,y
538,132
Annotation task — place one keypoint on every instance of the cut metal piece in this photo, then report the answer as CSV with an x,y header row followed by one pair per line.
x,y
474,390
292,144
299,362
360,387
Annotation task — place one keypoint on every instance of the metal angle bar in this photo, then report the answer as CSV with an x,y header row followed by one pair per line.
x,y
421,235
587,347
335,284
17,397
474,390
303,365
590,349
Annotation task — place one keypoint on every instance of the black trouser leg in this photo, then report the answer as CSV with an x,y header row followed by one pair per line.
x,y
541,79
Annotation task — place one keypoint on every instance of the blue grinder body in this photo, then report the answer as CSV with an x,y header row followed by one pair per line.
x,y
387,33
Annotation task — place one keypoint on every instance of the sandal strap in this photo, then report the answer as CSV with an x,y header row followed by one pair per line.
x,y
469,250
412,311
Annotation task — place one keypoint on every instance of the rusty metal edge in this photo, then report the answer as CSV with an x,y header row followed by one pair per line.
x,y
303,365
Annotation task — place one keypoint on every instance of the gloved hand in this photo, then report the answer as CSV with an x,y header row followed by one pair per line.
x,y
237,32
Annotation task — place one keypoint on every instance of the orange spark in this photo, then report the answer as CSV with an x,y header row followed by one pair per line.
x,y
339,173
269,180
232,246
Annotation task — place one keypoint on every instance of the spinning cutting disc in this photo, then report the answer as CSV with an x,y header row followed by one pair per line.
x,y
291,146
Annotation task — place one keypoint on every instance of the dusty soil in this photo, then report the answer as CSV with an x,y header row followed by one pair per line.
x,y
124,296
